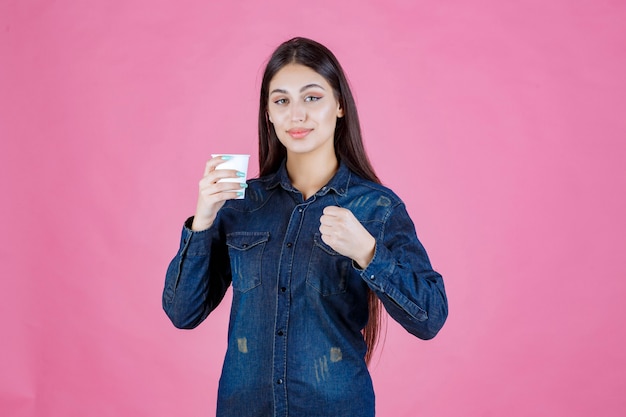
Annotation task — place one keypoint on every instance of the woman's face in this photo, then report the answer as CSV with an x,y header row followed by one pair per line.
x,y
303,109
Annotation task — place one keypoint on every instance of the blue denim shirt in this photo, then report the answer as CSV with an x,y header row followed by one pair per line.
x,y
295,346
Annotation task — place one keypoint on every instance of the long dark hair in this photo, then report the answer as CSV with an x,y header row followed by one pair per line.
x,y
348,142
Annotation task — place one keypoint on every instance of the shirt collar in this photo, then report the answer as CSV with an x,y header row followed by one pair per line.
x,y
338,183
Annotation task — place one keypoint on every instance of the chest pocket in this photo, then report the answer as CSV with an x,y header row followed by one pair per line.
x,y
246,256
328,270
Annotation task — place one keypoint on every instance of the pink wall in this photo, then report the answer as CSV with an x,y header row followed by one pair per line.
x,y
501,124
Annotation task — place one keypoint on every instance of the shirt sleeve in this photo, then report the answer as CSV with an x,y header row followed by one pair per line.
x,y
402,277
197,278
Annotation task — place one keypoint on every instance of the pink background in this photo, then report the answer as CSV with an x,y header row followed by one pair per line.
x,y
501,124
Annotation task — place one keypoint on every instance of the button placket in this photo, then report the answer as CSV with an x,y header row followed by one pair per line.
x,y
281,323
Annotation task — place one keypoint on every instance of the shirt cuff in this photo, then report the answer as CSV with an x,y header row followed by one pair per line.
x,y
379,269
379,275
195,243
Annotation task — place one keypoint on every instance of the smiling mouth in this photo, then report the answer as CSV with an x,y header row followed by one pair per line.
x,y
299,133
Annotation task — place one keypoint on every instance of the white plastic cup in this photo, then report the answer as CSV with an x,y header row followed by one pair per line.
x,y
238,162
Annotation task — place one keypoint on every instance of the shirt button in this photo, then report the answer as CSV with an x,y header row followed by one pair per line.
x,y
300,210
280,381
372,277
289,245
283,289
280,333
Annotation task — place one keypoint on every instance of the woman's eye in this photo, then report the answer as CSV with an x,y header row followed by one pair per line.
x,y
280,101
312,98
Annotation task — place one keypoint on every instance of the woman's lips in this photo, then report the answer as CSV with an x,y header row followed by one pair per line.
x,y
298,133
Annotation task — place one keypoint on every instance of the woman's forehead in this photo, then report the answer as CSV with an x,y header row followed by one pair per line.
x,y
294,77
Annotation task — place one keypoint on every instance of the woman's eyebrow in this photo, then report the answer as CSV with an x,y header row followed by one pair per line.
x,y
306,87
278,90
312,85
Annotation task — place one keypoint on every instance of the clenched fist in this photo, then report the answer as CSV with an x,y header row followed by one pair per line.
x,y
346,235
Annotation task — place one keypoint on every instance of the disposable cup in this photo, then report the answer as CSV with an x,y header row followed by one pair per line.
x,y
238,162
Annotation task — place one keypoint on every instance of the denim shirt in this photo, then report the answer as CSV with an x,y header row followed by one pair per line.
x,y
295,346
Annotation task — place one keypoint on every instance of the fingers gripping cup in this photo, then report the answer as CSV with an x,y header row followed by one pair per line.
x,y
238,162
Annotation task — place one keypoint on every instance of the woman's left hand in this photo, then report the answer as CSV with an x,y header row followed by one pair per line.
x,y
345,234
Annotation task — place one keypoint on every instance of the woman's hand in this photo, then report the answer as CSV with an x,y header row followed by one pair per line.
x,y
345,234
213,194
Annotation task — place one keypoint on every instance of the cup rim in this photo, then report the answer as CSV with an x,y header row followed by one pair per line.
x,y
213,155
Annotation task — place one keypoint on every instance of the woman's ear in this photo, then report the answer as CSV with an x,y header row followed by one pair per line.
x,y
268,117
340,113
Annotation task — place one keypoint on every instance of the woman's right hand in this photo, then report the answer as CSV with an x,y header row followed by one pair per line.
x,y
213,194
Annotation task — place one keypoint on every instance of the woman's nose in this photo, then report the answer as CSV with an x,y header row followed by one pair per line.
x,y
298,113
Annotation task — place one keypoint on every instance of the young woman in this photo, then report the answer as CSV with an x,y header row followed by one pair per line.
x,y
311,252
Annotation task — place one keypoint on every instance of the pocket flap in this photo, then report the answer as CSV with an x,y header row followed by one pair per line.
x,y
317,239
246,240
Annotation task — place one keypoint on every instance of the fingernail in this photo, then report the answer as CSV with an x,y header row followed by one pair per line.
x,y
241,174
240,194
244,185
226,157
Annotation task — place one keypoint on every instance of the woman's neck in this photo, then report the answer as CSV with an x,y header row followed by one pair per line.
x,y
308,173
